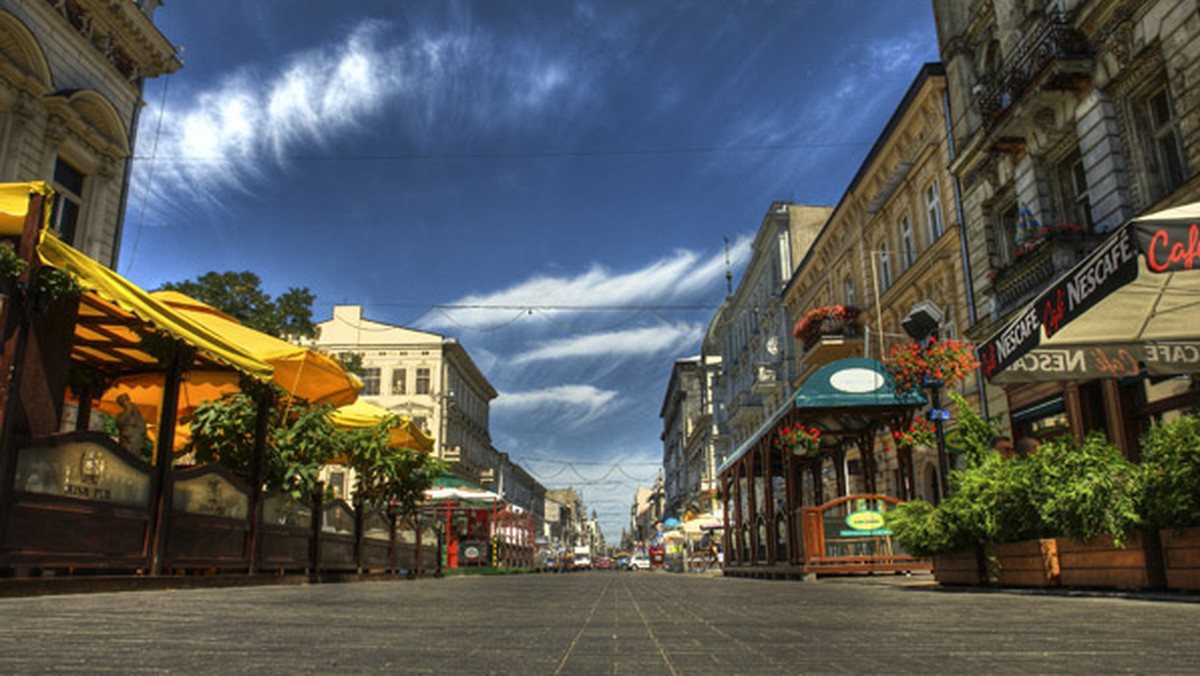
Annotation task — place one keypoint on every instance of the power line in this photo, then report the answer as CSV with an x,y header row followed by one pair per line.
x,y
532,154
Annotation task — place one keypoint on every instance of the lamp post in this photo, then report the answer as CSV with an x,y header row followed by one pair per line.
x,y
921,323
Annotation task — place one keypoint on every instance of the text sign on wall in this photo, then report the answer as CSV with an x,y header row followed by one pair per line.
x,y
84,470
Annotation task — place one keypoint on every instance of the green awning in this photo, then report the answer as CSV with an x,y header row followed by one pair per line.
x,y
854,383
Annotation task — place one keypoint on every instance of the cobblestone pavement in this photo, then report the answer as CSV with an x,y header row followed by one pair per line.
x,y
596,623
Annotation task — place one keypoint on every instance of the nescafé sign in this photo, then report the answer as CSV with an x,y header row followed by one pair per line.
x,y
865,522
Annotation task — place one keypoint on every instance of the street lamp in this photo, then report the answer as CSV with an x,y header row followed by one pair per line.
x,y
921,323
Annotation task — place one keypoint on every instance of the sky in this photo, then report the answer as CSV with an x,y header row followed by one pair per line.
x,y
557,185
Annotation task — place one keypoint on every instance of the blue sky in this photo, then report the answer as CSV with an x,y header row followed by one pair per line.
x,y
418,157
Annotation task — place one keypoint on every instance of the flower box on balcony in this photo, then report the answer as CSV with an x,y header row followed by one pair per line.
x,y
830,320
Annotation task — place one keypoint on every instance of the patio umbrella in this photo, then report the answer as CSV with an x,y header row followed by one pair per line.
x,y
1131,306
362,414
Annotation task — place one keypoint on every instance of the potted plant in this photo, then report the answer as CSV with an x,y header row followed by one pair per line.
x,y
1171,496
825,320
798,439
947,361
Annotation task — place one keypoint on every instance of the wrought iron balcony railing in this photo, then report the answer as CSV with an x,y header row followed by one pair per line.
x,y
1052,41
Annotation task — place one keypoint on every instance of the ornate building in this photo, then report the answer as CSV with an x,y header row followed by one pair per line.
x,y
71,76
893,240
751,333
689,439
1069,117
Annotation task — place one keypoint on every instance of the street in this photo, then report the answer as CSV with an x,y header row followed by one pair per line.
x,y
597,623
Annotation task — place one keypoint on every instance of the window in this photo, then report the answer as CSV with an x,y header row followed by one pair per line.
x,y
848,290
933,213
1071,180
1169,169
399,381
370,381
1004,234
337,484
68,201
785,257
885,267
422,381
908,250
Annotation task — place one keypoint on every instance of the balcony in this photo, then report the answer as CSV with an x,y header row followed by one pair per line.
x,y
1035,267
827,334
1053,56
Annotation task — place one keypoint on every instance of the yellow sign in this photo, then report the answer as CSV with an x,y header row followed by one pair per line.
x,y
867,519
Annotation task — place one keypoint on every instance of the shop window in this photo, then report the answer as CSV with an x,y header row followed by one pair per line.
x,y
423,381
908,249
399,381
337,485
1043,420
370,378
933,213
68,199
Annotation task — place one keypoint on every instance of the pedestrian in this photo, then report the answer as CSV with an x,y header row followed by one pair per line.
x,y
1002,445
131,426
1026,446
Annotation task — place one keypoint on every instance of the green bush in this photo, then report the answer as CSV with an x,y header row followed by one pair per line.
x,y
1171,474
1093,489
1067,488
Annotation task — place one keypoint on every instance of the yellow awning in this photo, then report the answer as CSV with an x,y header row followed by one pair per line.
x,y
14,205
304,372
112,290
363,414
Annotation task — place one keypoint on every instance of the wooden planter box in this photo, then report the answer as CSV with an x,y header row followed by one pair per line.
x,y
1181,554
1031,563
958,568
1098,563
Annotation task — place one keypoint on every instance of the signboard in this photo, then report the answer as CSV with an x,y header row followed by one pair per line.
x,y
938,414
1103,361
210,494
866,522
84,470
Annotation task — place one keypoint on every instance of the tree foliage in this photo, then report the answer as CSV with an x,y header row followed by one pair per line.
x,y
383,474
1171,473
240,295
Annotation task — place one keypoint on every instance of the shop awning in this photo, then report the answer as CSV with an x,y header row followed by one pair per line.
x,y
845,397
112,310
362,414
1131,306
14,205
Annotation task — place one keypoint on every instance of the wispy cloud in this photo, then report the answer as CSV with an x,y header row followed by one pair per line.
x,y
261,117
581,403
676,278
634,342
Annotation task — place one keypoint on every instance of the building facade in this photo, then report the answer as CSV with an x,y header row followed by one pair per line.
x,y
689,442
1069,118
752,330
71,77
424,376
893,240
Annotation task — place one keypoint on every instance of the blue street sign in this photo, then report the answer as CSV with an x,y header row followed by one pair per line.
x,y
938,414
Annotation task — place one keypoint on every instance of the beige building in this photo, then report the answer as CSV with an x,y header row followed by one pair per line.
x,y
891,241
71,76
424,376
1070,118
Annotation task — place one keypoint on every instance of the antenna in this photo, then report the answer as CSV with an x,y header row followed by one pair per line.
x,y
728,271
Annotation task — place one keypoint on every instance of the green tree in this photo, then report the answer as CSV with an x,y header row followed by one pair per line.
x,y
240,295
384,474
352,362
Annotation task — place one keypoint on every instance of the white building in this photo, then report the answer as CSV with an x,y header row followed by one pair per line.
x,y
689,439
424,376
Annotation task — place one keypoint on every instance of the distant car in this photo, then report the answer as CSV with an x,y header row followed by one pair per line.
x,y
603,563
621,563
639,562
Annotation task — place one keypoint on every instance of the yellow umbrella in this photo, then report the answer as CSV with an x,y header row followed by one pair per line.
x,y
301,371
14,205
362,414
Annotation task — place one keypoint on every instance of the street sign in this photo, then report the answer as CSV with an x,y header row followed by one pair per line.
x,y
938,414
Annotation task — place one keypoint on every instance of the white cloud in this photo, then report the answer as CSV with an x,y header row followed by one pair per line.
x,y
674,279
258,117
575,404
634,342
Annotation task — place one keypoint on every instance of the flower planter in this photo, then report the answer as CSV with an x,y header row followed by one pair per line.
x,y
1181,554
1098,563
958,568
1031,563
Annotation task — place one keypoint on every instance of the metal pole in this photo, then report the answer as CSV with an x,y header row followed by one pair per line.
x,y
935,398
